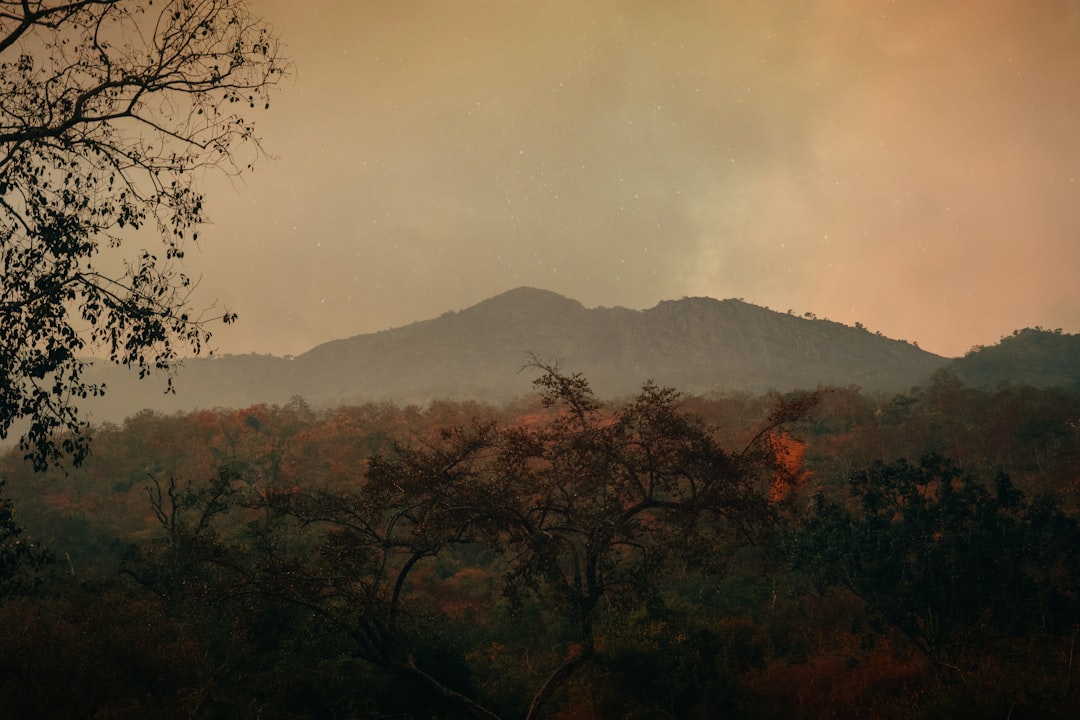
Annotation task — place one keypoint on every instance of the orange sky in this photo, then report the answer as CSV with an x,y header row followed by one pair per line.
x,y
909,165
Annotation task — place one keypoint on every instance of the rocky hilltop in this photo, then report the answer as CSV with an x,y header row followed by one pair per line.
x,y
698,345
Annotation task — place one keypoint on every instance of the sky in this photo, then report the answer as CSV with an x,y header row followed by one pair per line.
x,y
911,165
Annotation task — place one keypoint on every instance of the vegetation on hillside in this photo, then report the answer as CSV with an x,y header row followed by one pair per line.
x,y
829,554
1032,356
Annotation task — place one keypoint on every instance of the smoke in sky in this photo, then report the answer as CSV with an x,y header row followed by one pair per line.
x,y
912,166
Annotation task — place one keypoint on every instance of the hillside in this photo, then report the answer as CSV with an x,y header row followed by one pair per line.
x,y
1032,356
698,345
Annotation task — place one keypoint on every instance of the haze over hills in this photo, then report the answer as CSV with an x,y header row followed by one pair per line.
x,y
698,345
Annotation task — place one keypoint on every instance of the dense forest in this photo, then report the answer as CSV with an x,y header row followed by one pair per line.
x,y
836,553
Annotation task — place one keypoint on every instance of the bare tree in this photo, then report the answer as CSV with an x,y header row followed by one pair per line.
x,y
110,112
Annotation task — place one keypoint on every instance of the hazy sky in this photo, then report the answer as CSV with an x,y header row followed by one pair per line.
x,y
914,166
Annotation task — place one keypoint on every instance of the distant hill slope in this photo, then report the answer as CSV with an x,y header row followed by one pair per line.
x,y
698,345
1033,356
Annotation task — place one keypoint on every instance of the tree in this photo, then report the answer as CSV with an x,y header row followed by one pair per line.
x,y
595,507
111,111
20,559
582,512
953,563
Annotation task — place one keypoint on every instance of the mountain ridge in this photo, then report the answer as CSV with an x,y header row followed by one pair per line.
x,y
699,345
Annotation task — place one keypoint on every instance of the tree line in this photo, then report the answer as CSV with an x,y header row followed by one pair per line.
x,y
803,555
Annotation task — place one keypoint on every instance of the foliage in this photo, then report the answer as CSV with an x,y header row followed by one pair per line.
x,y
21,559
1032,356
953,564
111,111
377,561
582,505
1031,434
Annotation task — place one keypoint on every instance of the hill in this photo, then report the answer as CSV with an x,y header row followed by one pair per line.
x,y
1032,356
698,345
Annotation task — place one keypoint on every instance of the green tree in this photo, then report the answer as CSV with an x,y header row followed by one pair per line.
x,y
110,112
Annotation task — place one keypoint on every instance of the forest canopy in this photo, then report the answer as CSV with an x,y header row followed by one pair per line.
x,y
564,557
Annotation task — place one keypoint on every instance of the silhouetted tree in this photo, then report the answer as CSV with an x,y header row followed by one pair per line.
x,y
586,504
110,111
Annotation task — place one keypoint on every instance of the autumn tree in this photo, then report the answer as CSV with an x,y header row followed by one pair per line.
x,y
110,113
582,512
598,505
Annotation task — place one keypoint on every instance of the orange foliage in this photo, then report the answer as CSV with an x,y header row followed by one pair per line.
x,y
790,474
